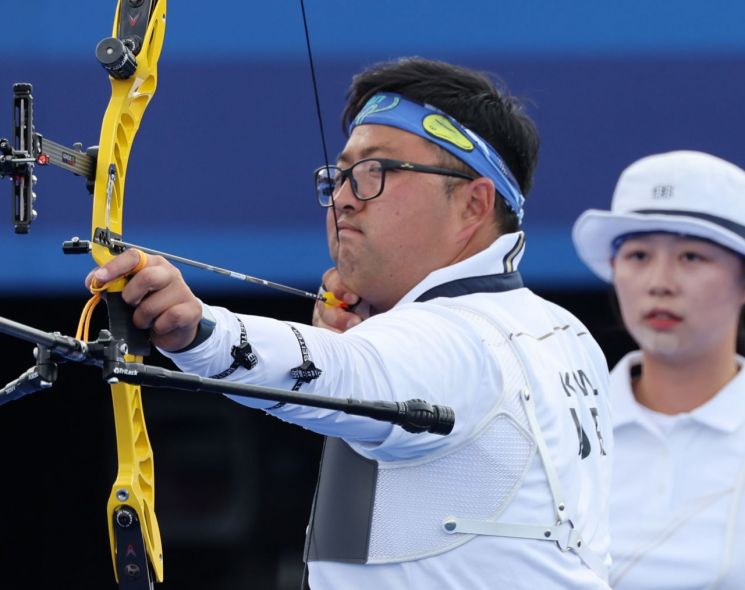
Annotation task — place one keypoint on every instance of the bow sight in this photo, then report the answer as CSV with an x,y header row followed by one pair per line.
x,y
29,148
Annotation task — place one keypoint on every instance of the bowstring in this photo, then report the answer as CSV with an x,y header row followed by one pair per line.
x,y
318,108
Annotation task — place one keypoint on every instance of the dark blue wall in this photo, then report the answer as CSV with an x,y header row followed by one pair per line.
x,y
221,171
221,167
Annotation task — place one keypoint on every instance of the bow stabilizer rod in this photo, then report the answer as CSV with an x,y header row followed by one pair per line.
x,y
110,354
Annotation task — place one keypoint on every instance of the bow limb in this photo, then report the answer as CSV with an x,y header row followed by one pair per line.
x,y
131,503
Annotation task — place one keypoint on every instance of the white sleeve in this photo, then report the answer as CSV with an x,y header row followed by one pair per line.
x,y
415,351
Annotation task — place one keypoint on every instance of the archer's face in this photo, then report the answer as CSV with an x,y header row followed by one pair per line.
x,y
680,297
388,244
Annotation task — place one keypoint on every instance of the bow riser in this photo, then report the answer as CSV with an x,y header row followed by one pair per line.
x,y
132,498
129,99
134,486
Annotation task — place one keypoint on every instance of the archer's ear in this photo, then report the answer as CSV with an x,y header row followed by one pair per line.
x,y
477,199
480,200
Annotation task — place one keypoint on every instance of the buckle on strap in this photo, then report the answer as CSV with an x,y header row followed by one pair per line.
x,y
564,534
566,537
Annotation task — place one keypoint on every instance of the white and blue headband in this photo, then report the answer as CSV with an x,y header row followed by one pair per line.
x,y
441,129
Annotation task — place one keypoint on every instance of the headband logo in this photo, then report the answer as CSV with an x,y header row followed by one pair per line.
x,y
375,105
440,127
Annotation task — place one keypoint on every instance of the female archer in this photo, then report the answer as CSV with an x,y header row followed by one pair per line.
x,y
673,244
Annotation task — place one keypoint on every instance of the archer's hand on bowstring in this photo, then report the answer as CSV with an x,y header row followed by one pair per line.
x,y
163,303
335,317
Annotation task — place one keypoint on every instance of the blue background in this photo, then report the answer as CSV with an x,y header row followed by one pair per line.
x,y
220,170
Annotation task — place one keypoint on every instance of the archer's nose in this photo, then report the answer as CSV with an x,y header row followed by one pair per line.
x,y
344,200
662,277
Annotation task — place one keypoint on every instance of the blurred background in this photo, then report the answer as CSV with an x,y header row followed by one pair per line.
x,y
221,172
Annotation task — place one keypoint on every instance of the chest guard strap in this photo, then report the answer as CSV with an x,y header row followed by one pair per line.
x,y
563,532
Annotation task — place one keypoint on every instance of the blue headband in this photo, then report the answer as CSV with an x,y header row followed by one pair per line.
x,y
432,124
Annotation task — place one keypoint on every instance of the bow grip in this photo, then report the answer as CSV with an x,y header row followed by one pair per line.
x,y
122,327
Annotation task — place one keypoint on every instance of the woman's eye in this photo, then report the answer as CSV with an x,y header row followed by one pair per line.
x,y
692,256
636,255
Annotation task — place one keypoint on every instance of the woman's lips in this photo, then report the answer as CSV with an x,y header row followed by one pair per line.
x,y
662,319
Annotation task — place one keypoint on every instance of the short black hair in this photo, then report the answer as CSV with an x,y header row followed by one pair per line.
x,y
471,98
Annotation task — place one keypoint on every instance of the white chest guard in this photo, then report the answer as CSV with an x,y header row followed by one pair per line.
x,y
399,511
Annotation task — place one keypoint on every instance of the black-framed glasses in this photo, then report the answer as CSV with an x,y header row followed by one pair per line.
x,y
368,177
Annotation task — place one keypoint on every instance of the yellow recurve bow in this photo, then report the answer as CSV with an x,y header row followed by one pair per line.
x,y
131,57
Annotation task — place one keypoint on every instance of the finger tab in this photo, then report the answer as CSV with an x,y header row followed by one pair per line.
x,y
330,300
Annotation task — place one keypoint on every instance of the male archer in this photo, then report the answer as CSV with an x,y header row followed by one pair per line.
x,y
425,204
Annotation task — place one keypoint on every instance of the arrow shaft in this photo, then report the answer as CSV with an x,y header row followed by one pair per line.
x,y
119,244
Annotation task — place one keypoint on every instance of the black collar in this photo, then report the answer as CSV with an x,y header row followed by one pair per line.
x,y
498,283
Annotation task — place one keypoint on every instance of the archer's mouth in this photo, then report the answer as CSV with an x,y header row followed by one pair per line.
x,y
662,319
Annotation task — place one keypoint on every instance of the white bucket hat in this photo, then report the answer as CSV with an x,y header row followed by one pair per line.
x,y
682,192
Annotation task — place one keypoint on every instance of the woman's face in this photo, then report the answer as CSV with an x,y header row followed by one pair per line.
x,y
680,297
